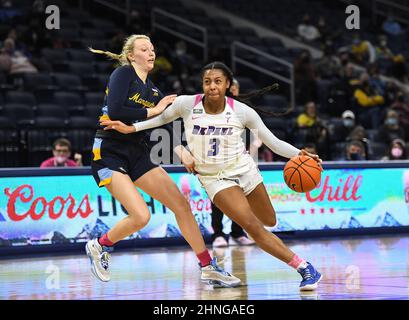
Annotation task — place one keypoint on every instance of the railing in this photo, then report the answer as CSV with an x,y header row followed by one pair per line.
x,y
400,11
236,59
125,9
156,13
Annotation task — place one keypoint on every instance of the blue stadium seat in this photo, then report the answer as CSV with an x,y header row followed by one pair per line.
x,y
21,114
52,110
70,101
21,97
68,81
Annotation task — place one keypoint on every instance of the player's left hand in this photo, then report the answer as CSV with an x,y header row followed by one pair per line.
x,y
314,156
117,125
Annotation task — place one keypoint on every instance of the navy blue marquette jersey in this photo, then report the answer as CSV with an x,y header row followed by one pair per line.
x,y
127,98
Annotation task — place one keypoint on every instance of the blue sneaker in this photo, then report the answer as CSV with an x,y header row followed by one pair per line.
x,y
310,278
216,276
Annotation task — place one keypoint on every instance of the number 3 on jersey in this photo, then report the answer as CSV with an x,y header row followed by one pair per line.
x,y
214,147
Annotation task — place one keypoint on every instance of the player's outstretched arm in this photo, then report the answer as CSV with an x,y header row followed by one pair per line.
x,y
253,121
170,114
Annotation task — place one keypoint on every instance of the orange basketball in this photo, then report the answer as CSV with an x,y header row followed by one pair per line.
x,y
302,173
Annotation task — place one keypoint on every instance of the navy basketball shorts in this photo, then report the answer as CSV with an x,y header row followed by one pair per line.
x,y
127,157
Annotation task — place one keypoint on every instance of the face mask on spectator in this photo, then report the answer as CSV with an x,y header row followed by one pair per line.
x,y
61,159
355,156
397,152
391,121
349,123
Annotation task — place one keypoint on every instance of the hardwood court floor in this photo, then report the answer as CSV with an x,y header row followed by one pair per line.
x,y
353,268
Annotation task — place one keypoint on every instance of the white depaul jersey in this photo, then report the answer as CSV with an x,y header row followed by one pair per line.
x,y
215,140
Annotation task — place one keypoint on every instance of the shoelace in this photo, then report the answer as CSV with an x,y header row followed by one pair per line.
x,y
306,274
105,260
219,269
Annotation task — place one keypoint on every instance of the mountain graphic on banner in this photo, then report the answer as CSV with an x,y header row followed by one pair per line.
x,y
99,229
172,231
351,224
2,217
59,238
387,221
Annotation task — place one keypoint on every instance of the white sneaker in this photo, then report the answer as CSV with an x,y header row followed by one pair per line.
x,y
99,259
241,241
220,242
216,276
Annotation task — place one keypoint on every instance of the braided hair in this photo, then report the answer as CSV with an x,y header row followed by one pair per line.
x,y
245,98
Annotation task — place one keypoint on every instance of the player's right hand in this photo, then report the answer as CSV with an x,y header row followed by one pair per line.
x,y
162,104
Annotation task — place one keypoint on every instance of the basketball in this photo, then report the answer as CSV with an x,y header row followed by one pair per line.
x,y
302,173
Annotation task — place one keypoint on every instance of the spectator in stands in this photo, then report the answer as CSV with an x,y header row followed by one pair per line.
x,y
163,67
6,4
312,129
355,150
375,80
398,69
61,154
349,129
14,61
382,50
391,128
324,30
362,50
304,78
329,66
237,234
396,150
402,108
116,42
392,27
306,30
311,148
369,102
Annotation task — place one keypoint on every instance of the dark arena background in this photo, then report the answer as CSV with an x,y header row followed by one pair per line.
x,y
342,70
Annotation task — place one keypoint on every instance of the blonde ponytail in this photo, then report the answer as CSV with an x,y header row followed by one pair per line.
x,y
126,49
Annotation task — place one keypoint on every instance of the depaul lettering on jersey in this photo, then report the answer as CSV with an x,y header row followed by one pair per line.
x,y
212,130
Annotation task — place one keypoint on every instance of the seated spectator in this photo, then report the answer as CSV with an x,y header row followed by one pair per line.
x,y
402,108
369,102
312,129
355,150
382,50
14,61
396,151
362,50
304,78
349,129
398,69
375,80
329,66
306,30
61,154
311,148
391,128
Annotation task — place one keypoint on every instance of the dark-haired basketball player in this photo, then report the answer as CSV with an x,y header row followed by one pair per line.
x,y
214,125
